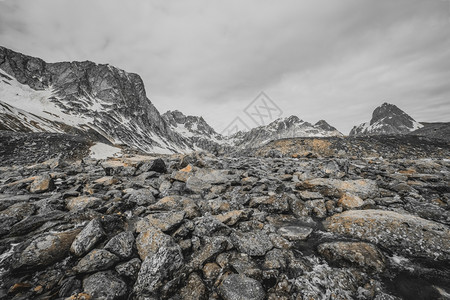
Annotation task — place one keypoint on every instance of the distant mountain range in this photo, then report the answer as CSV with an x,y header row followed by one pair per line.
x,y
109,105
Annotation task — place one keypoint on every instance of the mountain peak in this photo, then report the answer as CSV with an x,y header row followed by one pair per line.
x,y
322,124
387,119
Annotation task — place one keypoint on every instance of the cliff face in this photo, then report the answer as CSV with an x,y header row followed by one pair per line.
x,y
99,100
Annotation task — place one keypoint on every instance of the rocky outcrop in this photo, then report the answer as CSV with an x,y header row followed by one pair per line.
x,y
387,119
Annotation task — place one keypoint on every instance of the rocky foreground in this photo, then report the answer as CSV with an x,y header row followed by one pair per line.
x,y
306,226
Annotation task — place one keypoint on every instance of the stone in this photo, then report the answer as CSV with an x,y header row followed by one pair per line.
x,y
194,289
105,286
91,234
280,242
177,202
165,221
184,174
316,208
210,226
232,217
363,188
42,184
240,287
212,247
106,180
271,204
69,286
295,233
96,260
129,269
33,222
150,240
254,243
211,271
47,249
275,259
357,254
350,201
308,195
142,197
82,202
121,244
402,233
156,268
157,165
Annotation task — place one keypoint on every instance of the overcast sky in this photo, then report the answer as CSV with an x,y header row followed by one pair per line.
x,y
317,59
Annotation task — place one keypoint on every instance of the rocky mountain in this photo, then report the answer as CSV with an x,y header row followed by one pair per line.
x,y
196,130
83,98
387,119
290,127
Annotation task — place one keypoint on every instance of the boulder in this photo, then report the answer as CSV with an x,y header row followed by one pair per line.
x,y
350,201
402,233
82,202
295,233
363,188
254,243
156,268
150,240
47,249
241,287
121,244
96,260
42,184
87,238
105,286
359,254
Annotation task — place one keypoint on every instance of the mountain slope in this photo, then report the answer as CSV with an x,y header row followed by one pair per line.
x,y
387,119
196,130
437,130
290,127
100,101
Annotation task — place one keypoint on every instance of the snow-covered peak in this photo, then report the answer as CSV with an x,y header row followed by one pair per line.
x,y
290,127
387,119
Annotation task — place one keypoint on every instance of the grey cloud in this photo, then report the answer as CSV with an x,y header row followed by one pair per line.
x,y
321,59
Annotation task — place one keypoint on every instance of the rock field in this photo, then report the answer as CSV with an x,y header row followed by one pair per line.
x,y
273,225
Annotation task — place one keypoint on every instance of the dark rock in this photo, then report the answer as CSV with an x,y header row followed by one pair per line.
x,y
210,226
255,243
156,268
157,165
240,287
295,233
96,260
357,254
105,286
129,269
47,249
194,289
87,238
121,244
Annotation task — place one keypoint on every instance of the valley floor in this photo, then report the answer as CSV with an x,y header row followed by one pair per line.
x,y
279,224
